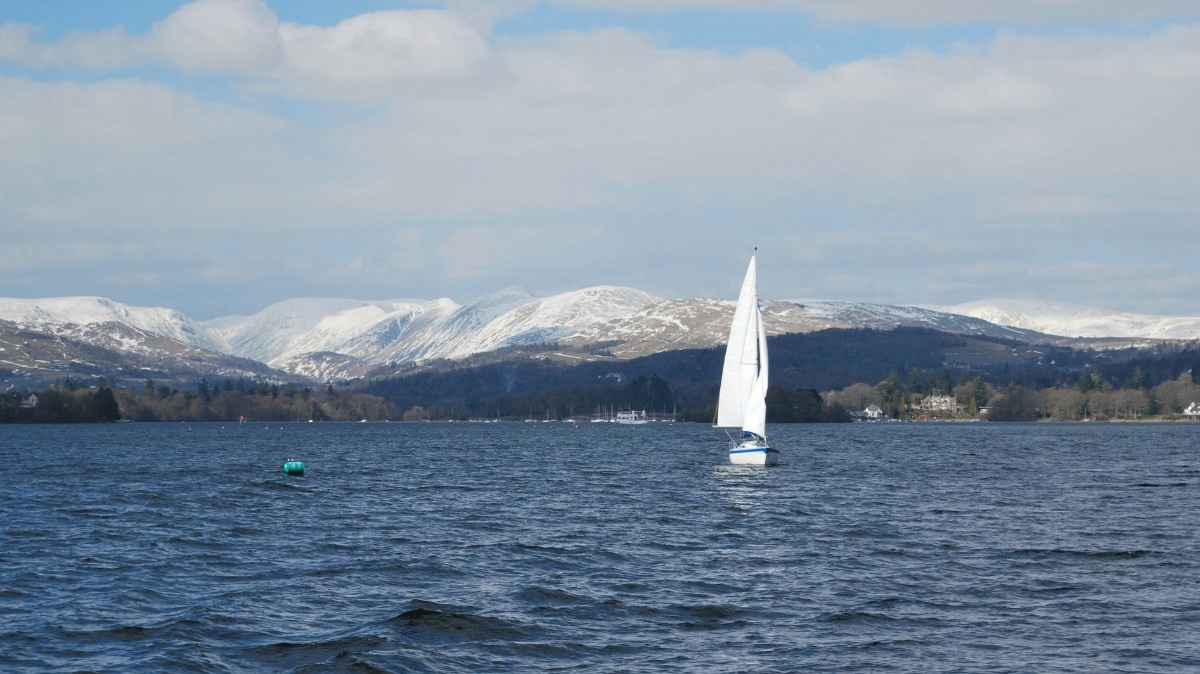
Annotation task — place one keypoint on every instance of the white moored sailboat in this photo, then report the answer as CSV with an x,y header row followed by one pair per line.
x,y
743,399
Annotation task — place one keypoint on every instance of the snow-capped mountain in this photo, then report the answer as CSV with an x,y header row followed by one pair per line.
x,y
33,353
1073,320
300,335
337,338
275,330
58,311
552,318
327,339
92,337
702,323
308,325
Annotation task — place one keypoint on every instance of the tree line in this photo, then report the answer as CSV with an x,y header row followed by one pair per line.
x,y
70,402
60,404
1097,399
1091,397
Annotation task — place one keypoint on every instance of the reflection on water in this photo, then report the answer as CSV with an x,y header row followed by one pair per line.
x,y
744,487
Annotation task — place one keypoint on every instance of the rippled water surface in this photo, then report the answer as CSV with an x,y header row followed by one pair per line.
x,y
545,547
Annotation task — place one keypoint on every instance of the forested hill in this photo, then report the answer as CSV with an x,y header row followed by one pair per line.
x,y
902,365
687,380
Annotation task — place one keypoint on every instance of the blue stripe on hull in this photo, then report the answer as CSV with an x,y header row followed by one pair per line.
x,y
768,450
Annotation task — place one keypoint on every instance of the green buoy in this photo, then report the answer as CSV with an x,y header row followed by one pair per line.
x,y
293,467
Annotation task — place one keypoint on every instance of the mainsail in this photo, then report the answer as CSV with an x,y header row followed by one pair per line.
x,y
742,400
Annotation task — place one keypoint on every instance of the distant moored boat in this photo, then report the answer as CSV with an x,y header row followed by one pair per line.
x,y
632,417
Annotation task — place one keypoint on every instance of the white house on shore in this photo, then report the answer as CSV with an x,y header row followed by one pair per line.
x,y
1192,410
936,403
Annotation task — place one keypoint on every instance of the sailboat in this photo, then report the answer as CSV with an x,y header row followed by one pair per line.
x,y
742,402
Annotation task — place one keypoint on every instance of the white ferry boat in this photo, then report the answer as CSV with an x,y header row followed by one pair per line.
x,y
632,417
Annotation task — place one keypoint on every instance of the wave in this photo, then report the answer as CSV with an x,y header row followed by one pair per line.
x,y
431,620
709,616
1082,554
535,594
855,617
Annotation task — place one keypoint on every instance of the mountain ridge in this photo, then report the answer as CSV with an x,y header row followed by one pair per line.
x,y
1076,320
326,339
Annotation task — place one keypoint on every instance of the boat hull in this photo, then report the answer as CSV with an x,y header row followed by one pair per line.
x,y
633,418
753,454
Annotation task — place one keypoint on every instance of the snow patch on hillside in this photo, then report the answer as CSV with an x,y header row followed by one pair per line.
x,y
300,334
87,310
1074,320
276,330
549,319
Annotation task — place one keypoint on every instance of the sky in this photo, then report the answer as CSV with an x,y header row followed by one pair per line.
x,y
218,156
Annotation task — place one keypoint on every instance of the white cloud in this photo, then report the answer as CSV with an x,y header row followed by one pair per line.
x,y
994,92
239,36
245,38
1055,206
383,46
116,157
105,50
929,12
480,151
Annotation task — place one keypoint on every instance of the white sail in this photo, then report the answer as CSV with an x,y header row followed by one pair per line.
x,y
754,417
742,403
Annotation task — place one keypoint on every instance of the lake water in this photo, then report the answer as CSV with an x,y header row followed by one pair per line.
x,y
511,547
